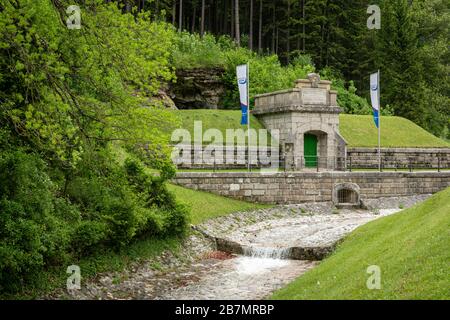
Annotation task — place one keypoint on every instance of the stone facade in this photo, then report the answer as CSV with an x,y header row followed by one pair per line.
x,y
288,188
309,108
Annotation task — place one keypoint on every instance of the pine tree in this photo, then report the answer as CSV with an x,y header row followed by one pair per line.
x,y
397,53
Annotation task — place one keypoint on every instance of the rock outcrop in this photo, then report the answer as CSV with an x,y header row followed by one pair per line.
x,y
163,98
199,88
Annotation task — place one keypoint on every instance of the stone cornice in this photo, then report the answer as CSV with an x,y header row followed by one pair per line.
x,y
297,108
400,150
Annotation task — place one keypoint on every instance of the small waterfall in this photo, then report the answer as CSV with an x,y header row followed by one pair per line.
x,y
256,259
267,253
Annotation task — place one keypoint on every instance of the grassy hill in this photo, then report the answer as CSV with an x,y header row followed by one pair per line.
x,y
217,119
204,205
410,247
359,131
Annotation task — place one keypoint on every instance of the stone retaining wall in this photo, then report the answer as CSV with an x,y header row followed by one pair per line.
x,y
288,188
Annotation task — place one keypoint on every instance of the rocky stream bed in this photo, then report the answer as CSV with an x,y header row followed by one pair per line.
x,y
263,264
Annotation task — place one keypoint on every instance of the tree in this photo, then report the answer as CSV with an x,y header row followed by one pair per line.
x,y
260,26
202,28
398,59
237,17
288,32
413,52
64,93
180,17
250,38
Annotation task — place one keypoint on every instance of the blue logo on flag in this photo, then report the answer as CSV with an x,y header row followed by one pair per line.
x,y
374,87
376,117
244,119
242,81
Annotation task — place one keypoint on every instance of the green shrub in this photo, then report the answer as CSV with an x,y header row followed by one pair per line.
x,y
105,206
63,192
87,236
30,235
267,74
191,51
152,190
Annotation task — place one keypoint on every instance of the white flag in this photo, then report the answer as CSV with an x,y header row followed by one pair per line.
x,y
242,78
375,96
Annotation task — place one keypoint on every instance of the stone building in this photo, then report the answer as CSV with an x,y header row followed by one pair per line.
x,y
307,118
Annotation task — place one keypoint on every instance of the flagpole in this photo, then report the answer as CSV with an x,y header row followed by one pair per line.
x,y
379,122
248,114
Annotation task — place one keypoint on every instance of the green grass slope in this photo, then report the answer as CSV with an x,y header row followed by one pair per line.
x,y
359,131
204,205
215,119
411,248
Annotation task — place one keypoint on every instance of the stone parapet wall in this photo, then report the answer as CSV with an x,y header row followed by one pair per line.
x,y
289,188
399,157
357,158
226,157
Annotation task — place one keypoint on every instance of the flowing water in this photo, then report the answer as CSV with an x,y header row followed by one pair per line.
x,y
263,268
267,253
258,259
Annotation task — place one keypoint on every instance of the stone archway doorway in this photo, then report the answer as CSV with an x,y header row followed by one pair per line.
x,y
310,150
315,149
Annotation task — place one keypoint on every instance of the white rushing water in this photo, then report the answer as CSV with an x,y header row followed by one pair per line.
x,y
267,253
251,265
260,260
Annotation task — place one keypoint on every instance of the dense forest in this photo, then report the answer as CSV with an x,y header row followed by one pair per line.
x,y
81,135
411,49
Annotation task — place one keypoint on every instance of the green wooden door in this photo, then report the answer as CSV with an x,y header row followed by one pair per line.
x,y
310,151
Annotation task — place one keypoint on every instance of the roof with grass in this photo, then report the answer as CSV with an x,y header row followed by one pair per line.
x,y
359,131
396,132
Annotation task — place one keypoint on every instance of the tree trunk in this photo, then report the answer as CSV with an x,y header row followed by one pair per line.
x,y
236,17
304,26
288,44
210,13
180,17
194,18
250,37
260,26
273,27
217,19
225,17
174,12
233,34
277,40
202,26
